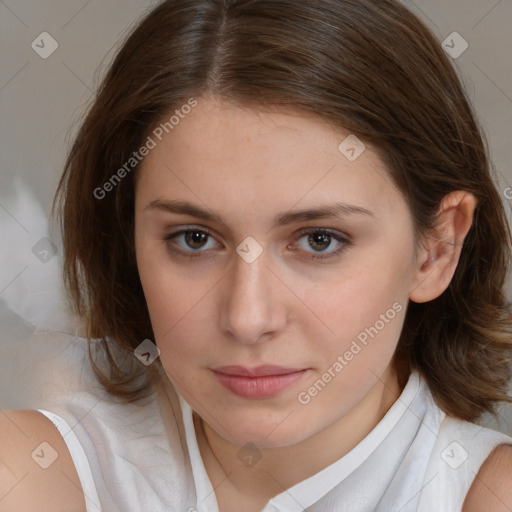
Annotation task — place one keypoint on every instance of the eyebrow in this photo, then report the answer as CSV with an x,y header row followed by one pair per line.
x,y
282,219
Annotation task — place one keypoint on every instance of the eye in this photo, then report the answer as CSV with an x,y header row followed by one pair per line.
x,y
321,243
190,240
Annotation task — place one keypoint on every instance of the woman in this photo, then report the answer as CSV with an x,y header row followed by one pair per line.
x,y
280,225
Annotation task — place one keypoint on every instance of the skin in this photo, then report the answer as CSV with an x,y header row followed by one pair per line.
x,y
285,308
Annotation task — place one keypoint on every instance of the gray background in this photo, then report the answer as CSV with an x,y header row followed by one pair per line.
x,y
41,101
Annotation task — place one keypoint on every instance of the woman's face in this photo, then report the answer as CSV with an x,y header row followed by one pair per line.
x,y
276,266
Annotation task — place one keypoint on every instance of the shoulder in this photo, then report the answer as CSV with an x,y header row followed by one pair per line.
x,y
36,468
492,488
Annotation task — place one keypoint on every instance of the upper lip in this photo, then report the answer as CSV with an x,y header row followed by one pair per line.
x,y
257,371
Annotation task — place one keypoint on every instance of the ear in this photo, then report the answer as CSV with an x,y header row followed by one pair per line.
x,y
440,252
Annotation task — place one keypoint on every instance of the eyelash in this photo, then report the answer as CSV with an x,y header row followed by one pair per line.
x,y
342,239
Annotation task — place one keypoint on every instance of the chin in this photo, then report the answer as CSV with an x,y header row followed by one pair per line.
x,y
264,432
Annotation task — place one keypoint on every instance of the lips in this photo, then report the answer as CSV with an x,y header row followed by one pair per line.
x,y
258,371
258,382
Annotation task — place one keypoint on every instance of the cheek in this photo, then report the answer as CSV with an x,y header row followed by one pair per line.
x,y
356,295
362,319
350,361
173,303
178,304
363,305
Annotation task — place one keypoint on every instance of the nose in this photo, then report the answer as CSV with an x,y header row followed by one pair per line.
x,y
252,310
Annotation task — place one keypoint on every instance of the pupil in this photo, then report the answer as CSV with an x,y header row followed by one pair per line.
x,y
195,239
319,241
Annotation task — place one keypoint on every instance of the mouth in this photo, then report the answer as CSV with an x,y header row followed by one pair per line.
x,y
259,382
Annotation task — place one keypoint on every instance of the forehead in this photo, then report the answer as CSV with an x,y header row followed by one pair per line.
x,y
226,155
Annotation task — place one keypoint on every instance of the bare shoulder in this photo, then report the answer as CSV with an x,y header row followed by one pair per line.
x,y
36,470
492,487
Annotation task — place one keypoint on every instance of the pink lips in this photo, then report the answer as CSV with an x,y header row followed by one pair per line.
x,y
259,382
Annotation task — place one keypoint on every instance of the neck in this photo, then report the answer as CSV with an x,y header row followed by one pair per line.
x,y
281,468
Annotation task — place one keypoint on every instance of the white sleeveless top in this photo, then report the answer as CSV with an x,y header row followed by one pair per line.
x,y
145,457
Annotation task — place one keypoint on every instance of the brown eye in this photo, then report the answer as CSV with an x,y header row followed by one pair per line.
x,y
190,241
319,241
196,239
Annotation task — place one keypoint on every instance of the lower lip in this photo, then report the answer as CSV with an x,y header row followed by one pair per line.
x,y
258,387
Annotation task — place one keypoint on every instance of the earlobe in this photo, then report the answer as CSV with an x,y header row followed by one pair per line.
x,y
441,247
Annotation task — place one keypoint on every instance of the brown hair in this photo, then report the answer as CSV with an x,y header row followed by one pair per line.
x,y
369,66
